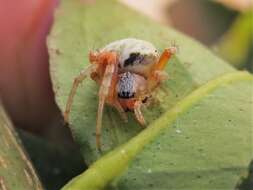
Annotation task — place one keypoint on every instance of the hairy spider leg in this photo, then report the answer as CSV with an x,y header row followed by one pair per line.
x,y
138,113
158,74
166,55
121,111
83,74
112,97
110,73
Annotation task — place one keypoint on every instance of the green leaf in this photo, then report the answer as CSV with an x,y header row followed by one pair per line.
x,y
241,34
16,170
200,127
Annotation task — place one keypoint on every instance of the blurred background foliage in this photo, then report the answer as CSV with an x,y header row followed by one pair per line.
x,y
225,26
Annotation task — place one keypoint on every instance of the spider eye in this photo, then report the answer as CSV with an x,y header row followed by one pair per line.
x,y
125,94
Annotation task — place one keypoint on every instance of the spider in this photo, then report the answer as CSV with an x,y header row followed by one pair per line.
x,y
127,71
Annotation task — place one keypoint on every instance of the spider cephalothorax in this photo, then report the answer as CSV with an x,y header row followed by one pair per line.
x,y
127,71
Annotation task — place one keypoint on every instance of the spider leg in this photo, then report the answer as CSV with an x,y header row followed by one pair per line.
x,y
138,113
121,111
84,73
104,91
166,55
157,74
161,75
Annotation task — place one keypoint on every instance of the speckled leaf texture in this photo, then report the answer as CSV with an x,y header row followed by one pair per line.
x,y
199,133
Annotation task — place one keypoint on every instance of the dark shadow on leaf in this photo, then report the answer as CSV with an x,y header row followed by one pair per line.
x,y
246,183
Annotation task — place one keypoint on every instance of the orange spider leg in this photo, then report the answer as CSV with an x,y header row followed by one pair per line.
x,y
166,55
110,59
121,111
84,73
112,97
157,74
135,105
138,113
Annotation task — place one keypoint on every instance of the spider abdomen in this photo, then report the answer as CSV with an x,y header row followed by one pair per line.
x,y
134,55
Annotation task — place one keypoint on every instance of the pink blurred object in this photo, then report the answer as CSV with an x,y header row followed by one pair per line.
x,y
155,9
25,87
